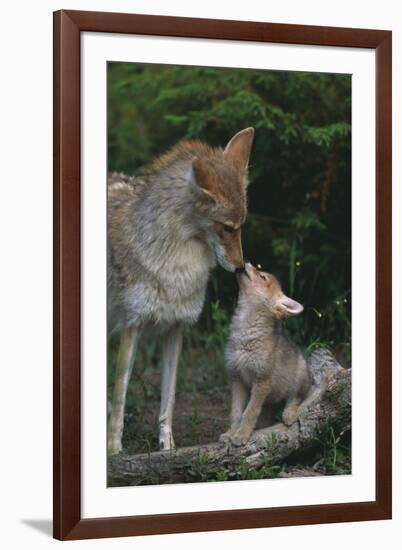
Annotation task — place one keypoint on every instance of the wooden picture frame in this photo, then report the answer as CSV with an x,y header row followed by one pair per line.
x,y
68,26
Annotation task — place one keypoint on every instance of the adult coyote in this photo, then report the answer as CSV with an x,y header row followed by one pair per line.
x,y
166,231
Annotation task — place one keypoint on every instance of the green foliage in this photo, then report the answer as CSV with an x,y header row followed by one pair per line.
x,y
237,469
217,328
243,471
334,452
197,469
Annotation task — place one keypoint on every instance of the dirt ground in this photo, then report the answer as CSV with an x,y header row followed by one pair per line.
x,y
199,417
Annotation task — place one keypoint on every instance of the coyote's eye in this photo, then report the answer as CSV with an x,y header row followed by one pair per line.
x,y
263,277
228,228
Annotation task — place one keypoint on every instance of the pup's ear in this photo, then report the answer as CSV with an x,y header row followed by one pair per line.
x,y
239,147
203,177
289,306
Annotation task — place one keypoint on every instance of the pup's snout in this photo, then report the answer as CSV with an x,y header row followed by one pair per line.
x,y
248,268
243,270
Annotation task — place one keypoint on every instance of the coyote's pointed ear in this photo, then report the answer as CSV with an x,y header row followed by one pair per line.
x,y
203,177
239,147
289,306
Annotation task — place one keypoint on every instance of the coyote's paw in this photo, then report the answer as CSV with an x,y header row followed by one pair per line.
x,y
289,417
240,437
225,437
166,441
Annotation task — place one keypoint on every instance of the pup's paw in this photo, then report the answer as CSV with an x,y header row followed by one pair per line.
x,y
289,417
225,437
240,437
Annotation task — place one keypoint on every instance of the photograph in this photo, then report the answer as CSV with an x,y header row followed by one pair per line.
x,y
228,274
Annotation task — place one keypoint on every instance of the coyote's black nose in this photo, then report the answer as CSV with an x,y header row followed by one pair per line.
x,y
242,271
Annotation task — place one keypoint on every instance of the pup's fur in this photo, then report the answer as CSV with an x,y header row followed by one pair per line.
x,y
166,230
266,367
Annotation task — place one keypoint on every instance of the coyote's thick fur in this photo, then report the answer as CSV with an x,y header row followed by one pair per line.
x,y
166,230
266,367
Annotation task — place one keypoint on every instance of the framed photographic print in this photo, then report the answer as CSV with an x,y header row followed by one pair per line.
x,y
222,267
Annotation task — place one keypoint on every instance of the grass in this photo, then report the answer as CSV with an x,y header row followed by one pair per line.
x,y
333,453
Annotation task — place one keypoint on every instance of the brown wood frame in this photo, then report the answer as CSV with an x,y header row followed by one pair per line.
x,y
68,26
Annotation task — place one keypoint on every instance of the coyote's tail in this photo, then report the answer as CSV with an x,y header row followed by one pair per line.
x,y
315,394
321,366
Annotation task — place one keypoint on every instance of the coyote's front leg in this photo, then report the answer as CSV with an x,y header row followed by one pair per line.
x,y
239,399
171,352
125,360
259,392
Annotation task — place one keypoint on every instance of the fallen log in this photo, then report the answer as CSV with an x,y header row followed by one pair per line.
x,y
330,402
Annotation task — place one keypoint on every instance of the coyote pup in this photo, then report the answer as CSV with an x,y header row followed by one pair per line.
x,y
166,231
265,366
